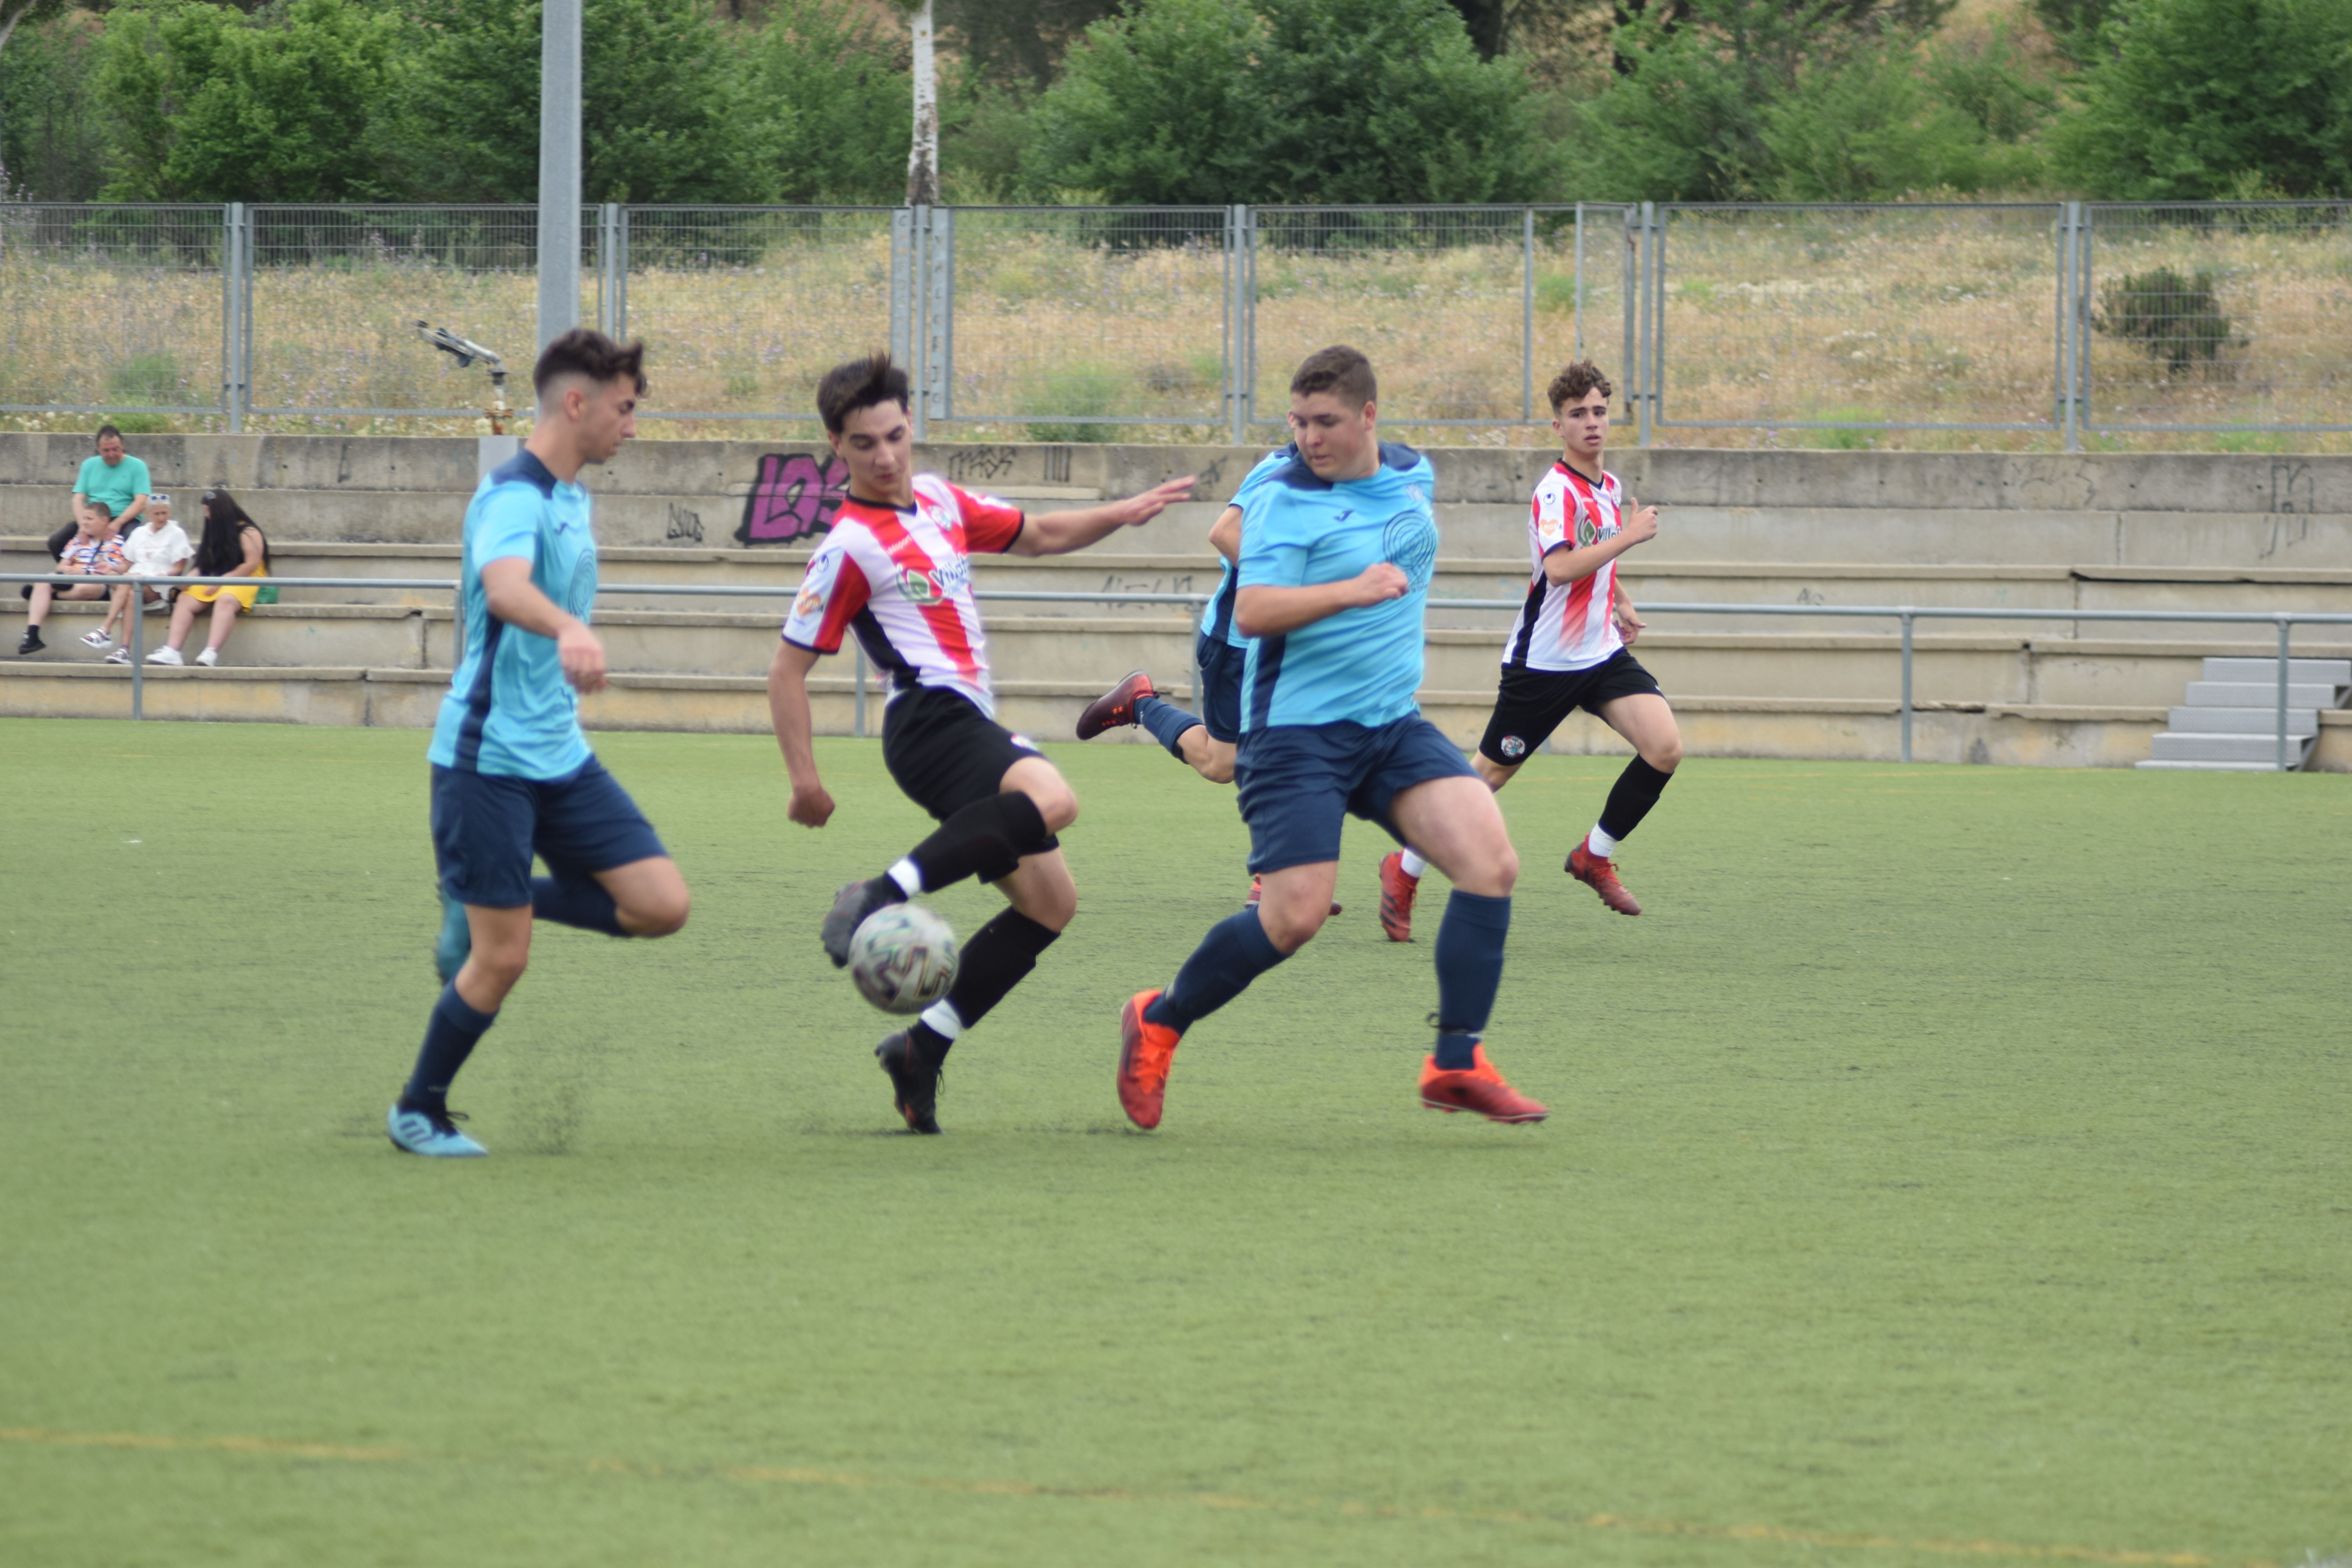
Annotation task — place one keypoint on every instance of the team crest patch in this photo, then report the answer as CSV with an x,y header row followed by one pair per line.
x,y
1513,748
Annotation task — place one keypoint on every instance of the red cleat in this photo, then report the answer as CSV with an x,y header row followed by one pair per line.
x,y
1257,891
1397,891
1480,1088
1115,706
1146,1052
1601,876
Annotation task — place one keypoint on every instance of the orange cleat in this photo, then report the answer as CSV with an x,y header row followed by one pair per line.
x,y
1396,898
1146,1052
1257,891
1601,876
1117,706
1480,1088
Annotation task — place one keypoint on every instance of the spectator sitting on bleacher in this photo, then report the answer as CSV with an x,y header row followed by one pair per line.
x,y
158,547
95,552
233,546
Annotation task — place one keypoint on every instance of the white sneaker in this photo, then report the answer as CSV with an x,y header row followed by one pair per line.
x,y
165,655
208,658
97,639
120,656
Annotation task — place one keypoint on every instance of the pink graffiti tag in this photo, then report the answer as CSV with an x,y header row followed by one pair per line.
x,y
795,497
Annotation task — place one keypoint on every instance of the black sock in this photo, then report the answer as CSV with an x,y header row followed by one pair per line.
x,y
1469,971
579,902
1630,798
1235,952
449,1039
986,839
999,956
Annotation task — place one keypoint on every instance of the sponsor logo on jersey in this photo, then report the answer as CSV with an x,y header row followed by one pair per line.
x,y
808,601
1585,532
929,587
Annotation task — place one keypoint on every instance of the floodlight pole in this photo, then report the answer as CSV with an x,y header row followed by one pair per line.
x,y
558,170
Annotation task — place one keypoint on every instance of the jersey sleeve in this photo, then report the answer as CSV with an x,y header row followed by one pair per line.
x,y
1276,543
1549,518
507,526
830,594
139,483
990,526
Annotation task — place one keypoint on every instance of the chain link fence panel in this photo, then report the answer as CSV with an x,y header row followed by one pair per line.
x,y
114,309
2218,316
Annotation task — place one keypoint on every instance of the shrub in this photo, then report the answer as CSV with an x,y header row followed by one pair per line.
x,y
1081,389
2174,319
150,377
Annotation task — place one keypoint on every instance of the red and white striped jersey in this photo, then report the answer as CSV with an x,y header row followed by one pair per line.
x,y
1567,625
901,578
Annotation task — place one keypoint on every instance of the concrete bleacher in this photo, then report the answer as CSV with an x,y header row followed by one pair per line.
x,y
1779,529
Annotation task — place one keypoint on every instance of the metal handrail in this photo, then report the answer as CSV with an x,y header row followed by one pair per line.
x,y
1906,616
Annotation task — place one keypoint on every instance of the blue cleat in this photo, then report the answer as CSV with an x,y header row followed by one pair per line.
x,y
423,1133
456,943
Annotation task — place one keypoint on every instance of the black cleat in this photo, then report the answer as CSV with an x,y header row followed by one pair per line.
x,y
914,1083
850,907
1115,706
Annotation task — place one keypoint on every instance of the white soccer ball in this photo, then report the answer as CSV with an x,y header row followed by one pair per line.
x,y
903,958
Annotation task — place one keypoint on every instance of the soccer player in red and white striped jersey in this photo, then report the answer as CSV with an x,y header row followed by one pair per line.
x,y
1571,647
895,571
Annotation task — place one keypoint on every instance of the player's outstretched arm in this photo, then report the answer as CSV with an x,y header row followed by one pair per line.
x,y
1263,610
1641,526
787,710
1059,532
516,600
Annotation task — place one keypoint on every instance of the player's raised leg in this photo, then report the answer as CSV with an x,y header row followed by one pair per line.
x,y
1645,721
1461,829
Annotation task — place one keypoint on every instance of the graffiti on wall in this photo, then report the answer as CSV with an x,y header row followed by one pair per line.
x,y
793,498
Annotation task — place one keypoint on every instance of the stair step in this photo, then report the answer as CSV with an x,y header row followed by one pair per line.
x,y
2174,747
2253,694
2329,671
2300,722
2209,767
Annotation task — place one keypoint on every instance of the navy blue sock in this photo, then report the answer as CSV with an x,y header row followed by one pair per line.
x,y
449,1039
1469,972
575,901
1235,952
1166,721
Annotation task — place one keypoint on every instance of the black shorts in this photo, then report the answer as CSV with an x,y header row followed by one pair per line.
x,y
945,753
1532,704
1218,695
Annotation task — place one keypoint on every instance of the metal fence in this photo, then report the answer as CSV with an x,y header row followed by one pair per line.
x,y
2057,318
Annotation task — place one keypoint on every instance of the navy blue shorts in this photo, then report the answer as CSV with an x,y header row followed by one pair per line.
x,y
486,827
1218,692
1299,781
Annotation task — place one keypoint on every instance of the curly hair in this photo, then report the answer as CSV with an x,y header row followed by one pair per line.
x,y
1574,382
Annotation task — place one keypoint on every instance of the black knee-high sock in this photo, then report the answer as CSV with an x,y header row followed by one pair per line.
x,y
449,1039
997,958
1235,952
579,902
986,839
1630,798
1469,971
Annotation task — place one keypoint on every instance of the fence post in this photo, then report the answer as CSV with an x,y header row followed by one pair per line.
x,y
1907,685
1645,273
939,314
608,289
2070,326
1231,347
2285,628
1527,313
1579,296
918,236
902,287
235,300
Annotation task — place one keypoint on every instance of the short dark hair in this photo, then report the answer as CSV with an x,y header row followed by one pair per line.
x,y
859,384
1575,381
583,350
103,432
1339,370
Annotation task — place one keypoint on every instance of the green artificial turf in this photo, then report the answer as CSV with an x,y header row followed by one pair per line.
x,y
1951,1164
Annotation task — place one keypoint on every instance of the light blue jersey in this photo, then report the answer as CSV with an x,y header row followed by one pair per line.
x,y
1361,666
509,710
1217,614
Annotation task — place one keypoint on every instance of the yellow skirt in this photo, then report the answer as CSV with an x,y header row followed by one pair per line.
x,y
242,595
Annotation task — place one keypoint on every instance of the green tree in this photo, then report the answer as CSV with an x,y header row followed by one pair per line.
x,y
52,136
1286,100
669,112
1877,128
837,83
2188,99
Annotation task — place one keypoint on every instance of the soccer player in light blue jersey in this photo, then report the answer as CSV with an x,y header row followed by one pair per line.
x,y
1337,550
512,774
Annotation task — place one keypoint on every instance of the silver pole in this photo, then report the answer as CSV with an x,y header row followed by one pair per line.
x,y
1907,685
2285,626
858,703
559,169
1629,289
1527,313
1579,296
1645,355
918,370
2070,361
137,614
